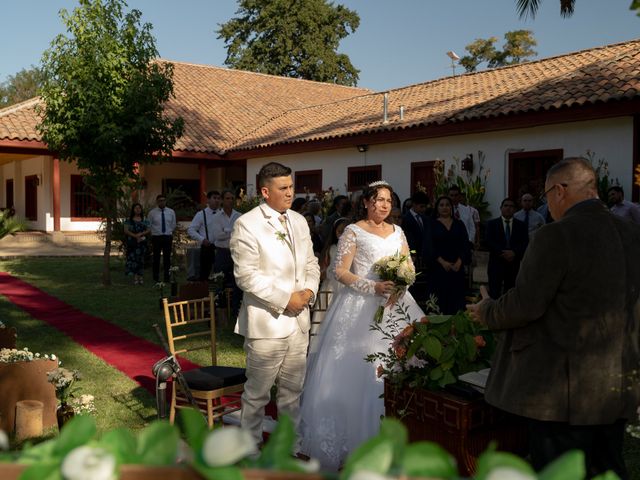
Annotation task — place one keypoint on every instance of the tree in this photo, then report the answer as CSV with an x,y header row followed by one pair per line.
x,y
517,48
103,99
291,38
20,87
567,7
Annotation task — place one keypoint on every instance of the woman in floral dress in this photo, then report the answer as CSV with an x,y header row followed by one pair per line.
x,y
136,230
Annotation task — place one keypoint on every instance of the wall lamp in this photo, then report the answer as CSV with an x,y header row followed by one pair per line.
x,y
362,148
467,163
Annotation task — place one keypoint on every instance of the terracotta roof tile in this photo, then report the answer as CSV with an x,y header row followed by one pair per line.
x,y
18,122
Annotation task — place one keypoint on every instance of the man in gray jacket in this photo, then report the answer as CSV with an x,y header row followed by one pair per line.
x,y
569,328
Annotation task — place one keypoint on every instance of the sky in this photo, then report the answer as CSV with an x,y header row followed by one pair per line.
x,y
398,42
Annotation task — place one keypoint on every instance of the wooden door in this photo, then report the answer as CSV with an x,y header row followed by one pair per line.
x,y
528,170
31,197
423,173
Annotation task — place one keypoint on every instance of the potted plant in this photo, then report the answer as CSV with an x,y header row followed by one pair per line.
x,y
63,380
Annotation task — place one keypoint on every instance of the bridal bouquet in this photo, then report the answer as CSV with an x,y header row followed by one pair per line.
x,y
399,269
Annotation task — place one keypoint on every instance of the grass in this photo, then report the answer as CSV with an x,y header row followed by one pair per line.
x,y
77,280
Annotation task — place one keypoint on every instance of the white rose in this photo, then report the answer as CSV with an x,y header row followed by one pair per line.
x,y
508,473
226,446
89,463
4,440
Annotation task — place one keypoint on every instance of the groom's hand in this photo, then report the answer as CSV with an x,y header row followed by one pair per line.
x,y
298,302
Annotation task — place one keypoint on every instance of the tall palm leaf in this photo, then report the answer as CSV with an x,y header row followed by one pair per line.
x,y
530,7
9,225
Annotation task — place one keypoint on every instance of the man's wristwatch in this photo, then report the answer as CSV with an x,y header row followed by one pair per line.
x,y
312,298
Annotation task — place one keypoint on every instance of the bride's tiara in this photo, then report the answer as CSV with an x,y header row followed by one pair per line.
x,y
379,183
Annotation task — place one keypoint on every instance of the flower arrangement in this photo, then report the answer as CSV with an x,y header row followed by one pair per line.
x,y
84,404
245,202
431,352
12,355
63,380
223,452
399,269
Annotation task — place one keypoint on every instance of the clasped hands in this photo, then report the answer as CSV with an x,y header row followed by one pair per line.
x,y
387,287
298,301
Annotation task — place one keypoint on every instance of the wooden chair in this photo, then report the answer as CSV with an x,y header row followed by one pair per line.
x,y
191,326
321,305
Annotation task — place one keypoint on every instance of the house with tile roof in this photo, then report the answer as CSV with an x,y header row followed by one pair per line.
x,y
521,119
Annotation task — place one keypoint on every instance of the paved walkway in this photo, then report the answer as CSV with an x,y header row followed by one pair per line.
x,y
19,246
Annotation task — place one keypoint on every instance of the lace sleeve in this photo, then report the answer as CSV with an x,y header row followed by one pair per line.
x,y
342,265
405,248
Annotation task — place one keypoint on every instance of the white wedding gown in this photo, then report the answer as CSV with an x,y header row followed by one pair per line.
x,y
341,402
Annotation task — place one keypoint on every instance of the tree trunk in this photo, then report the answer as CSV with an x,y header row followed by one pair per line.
x,y
106,271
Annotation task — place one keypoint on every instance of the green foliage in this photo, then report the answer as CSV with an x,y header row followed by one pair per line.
x,y
517,48
530,7
20,87
9,224
291,38
104,98
471,183
603,180
635,5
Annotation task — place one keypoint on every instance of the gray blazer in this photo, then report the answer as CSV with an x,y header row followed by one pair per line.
x,y
570,326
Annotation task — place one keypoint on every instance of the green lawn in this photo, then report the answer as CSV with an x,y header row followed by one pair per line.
x,y
77,280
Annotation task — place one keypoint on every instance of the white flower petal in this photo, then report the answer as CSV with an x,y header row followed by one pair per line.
x,y
507,473
4,440
228,445
88,463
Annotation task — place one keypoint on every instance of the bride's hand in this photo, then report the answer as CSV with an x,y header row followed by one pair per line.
x,y
395,296
384,288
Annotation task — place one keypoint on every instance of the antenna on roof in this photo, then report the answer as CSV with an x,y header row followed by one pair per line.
x,y
454,58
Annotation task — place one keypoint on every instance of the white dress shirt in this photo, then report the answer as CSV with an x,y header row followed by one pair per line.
x,y
197,230
222,227
536,220
466,217
155,219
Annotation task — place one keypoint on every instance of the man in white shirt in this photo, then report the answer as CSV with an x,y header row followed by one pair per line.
x,y
462,212
201,230
223,223
163,223
532,219
621,207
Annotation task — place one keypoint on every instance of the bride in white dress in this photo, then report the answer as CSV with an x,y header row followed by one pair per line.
x,y
341,403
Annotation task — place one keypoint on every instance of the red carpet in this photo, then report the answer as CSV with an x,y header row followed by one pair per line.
x,y
132,355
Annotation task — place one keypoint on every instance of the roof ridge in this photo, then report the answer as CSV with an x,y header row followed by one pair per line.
x,y
280,77
517,65
18,106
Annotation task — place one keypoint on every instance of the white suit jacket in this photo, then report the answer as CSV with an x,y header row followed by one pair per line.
x,y
267,271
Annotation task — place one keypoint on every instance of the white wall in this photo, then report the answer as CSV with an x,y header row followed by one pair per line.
x,y
611,139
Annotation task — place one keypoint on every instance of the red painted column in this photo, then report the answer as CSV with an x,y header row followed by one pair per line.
x,y
56,194
203,182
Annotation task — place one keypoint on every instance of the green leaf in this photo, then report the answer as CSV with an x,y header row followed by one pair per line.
x,y
433,347
569,466
608,475
394,430
438,319
447,379
436,373
158,444
471,347
279,447
461,323
448,352
78,431
219,473
374,455
42,471
122,444
42,452
427,459
194,427
491,459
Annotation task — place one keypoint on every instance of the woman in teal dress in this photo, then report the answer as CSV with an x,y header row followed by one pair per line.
x,y
136,230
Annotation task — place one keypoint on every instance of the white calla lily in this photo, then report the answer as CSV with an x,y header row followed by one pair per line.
x,y
88,463
228,445
507,473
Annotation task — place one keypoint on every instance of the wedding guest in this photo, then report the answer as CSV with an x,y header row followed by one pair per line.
x,y
527,215
507,239
316,239
451,252
222,225
201,230
333,214
276,269
163,222
136,230
416,226
570,328
621,207
299,205
462,212
395,216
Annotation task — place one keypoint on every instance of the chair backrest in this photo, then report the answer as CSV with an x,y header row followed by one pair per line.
x,y
321,305
191,325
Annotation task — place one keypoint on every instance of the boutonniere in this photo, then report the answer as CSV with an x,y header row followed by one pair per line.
x,y
281,236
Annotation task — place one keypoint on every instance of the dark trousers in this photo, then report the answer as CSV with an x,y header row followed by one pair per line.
x,y
601,444
161,245
224,263
207,257
502,276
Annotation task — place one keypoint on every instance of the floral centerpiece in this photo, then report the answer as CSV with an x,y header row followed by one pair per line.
x,y
64,381
12,355
433,351
399,269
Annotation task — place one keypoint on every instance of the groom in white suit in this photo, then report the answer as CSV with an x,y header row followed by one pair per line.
x,y
275,267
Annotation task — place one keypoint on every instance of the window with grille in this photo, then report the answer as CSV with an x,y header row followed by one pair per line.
x,y
309,181
360,177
